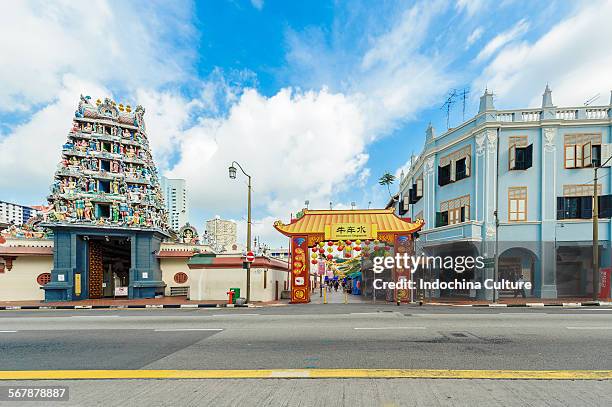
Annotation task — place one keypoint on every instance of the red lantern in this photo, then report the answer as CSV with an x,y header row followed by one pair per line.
x,y
387,248
321,250
330,257
367,242
348,242
313,261
340,248
358,248
347,254
330,243
376,248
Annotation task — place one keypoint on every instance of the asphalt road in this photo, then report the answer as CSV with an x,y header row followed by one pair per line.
x,y
305,337
316,337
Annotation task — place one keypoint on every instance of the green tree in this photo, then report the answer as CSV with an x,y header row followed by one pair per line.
x,y
387,179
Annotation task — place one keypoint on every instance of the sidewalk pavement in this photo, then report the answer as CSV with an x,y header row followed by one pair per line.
x,y
332,298
163,302
519,302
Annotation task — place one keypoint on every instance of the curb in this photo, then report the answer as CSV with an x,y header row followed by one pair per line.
x,y
195,306
537,305
136,306
124,306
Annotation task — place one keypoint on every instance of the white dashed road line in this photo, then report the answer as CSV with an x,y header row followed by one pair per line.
x,y
188,329
391,327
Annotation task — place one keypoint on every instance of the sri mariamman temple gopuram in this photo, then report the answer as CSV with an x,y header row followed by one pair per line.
x,y
105,233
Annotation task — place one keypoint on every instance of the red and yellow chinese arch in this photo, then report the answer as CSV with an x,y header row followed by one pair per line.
x,y
314,226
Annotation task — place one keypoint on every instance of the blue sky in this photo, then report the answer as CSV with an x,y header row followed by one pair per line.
x,y
315,99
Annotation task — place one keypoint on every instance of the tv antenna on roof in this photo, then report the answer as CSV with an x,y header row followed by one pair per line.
x,y
450,101
464,93
591,100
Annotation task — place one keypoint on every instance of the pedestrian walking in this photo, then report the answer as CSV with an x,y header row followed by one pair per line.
x,y
521,287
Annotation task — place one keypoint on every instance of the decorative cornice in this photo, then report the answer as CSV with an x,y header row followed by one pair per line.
x,y
429,165
491,140
480,139
549,138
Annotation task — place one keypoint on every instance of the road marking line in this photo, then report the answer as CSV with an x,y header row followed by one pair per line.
x,y
232,315
94,316
187,329
365,313
7,332
537,314
588,327
307,373
393,327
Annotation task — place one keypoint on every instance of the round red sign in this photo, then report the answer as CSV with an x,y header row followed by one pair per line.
x,y
250,256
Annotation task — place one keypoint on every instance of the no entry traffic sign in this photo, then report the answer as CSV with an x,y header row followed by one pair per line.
x,y
250,256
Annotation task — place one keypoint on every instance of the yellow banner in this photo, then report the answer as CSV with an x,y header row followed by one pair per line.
x,y
342,231
77,284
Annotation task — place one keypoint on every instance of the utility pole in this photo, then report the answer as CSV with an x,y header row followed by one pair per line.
x,y
596,231
595,238
248,276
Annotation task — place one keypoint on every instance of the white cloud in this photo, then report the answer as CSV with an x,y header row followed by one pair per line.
x,y
300,145
30,153
393,75
574,56
474,36
502,39
258,4
104,42
166,115
397,78
470,6
294,144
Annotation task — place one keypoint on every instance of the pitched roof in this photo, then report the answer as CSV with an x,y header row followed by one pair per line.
x,y
314,221
211,261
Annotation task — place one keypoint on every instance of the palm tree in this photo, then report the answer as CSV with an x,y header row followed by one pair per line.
x,y
387,179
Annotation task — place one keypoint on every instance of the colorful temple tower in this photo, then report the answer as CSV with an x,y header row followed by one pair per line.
x,y
107,213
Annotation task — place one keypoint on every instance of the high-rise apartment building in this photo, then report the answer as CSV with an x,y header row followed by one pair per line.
x,y
15,214
221,232
175,196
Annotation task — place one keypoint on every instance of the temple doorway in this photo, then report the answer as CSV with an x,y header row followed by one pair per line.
x,y
109,266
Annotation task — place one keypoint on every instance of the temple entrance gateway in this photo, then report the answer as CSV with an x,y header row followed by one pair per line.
x,y
109,264
341,242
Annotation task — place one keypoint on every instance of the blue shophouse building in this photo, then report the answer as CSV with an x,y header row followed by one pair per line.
x,y
535,167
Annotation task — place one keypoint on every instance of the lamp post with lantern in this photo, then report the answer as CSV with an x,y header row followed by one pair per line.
x,y
232,175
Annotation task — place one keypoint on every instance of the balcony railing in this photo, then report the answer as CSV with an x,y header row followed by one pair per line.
x,y
575,113
505,117
597,113
531,116
566,114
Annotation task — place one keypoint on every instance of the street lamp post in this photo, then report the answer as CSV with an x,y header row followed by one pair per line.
x,y
595,237
596,231
232,175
